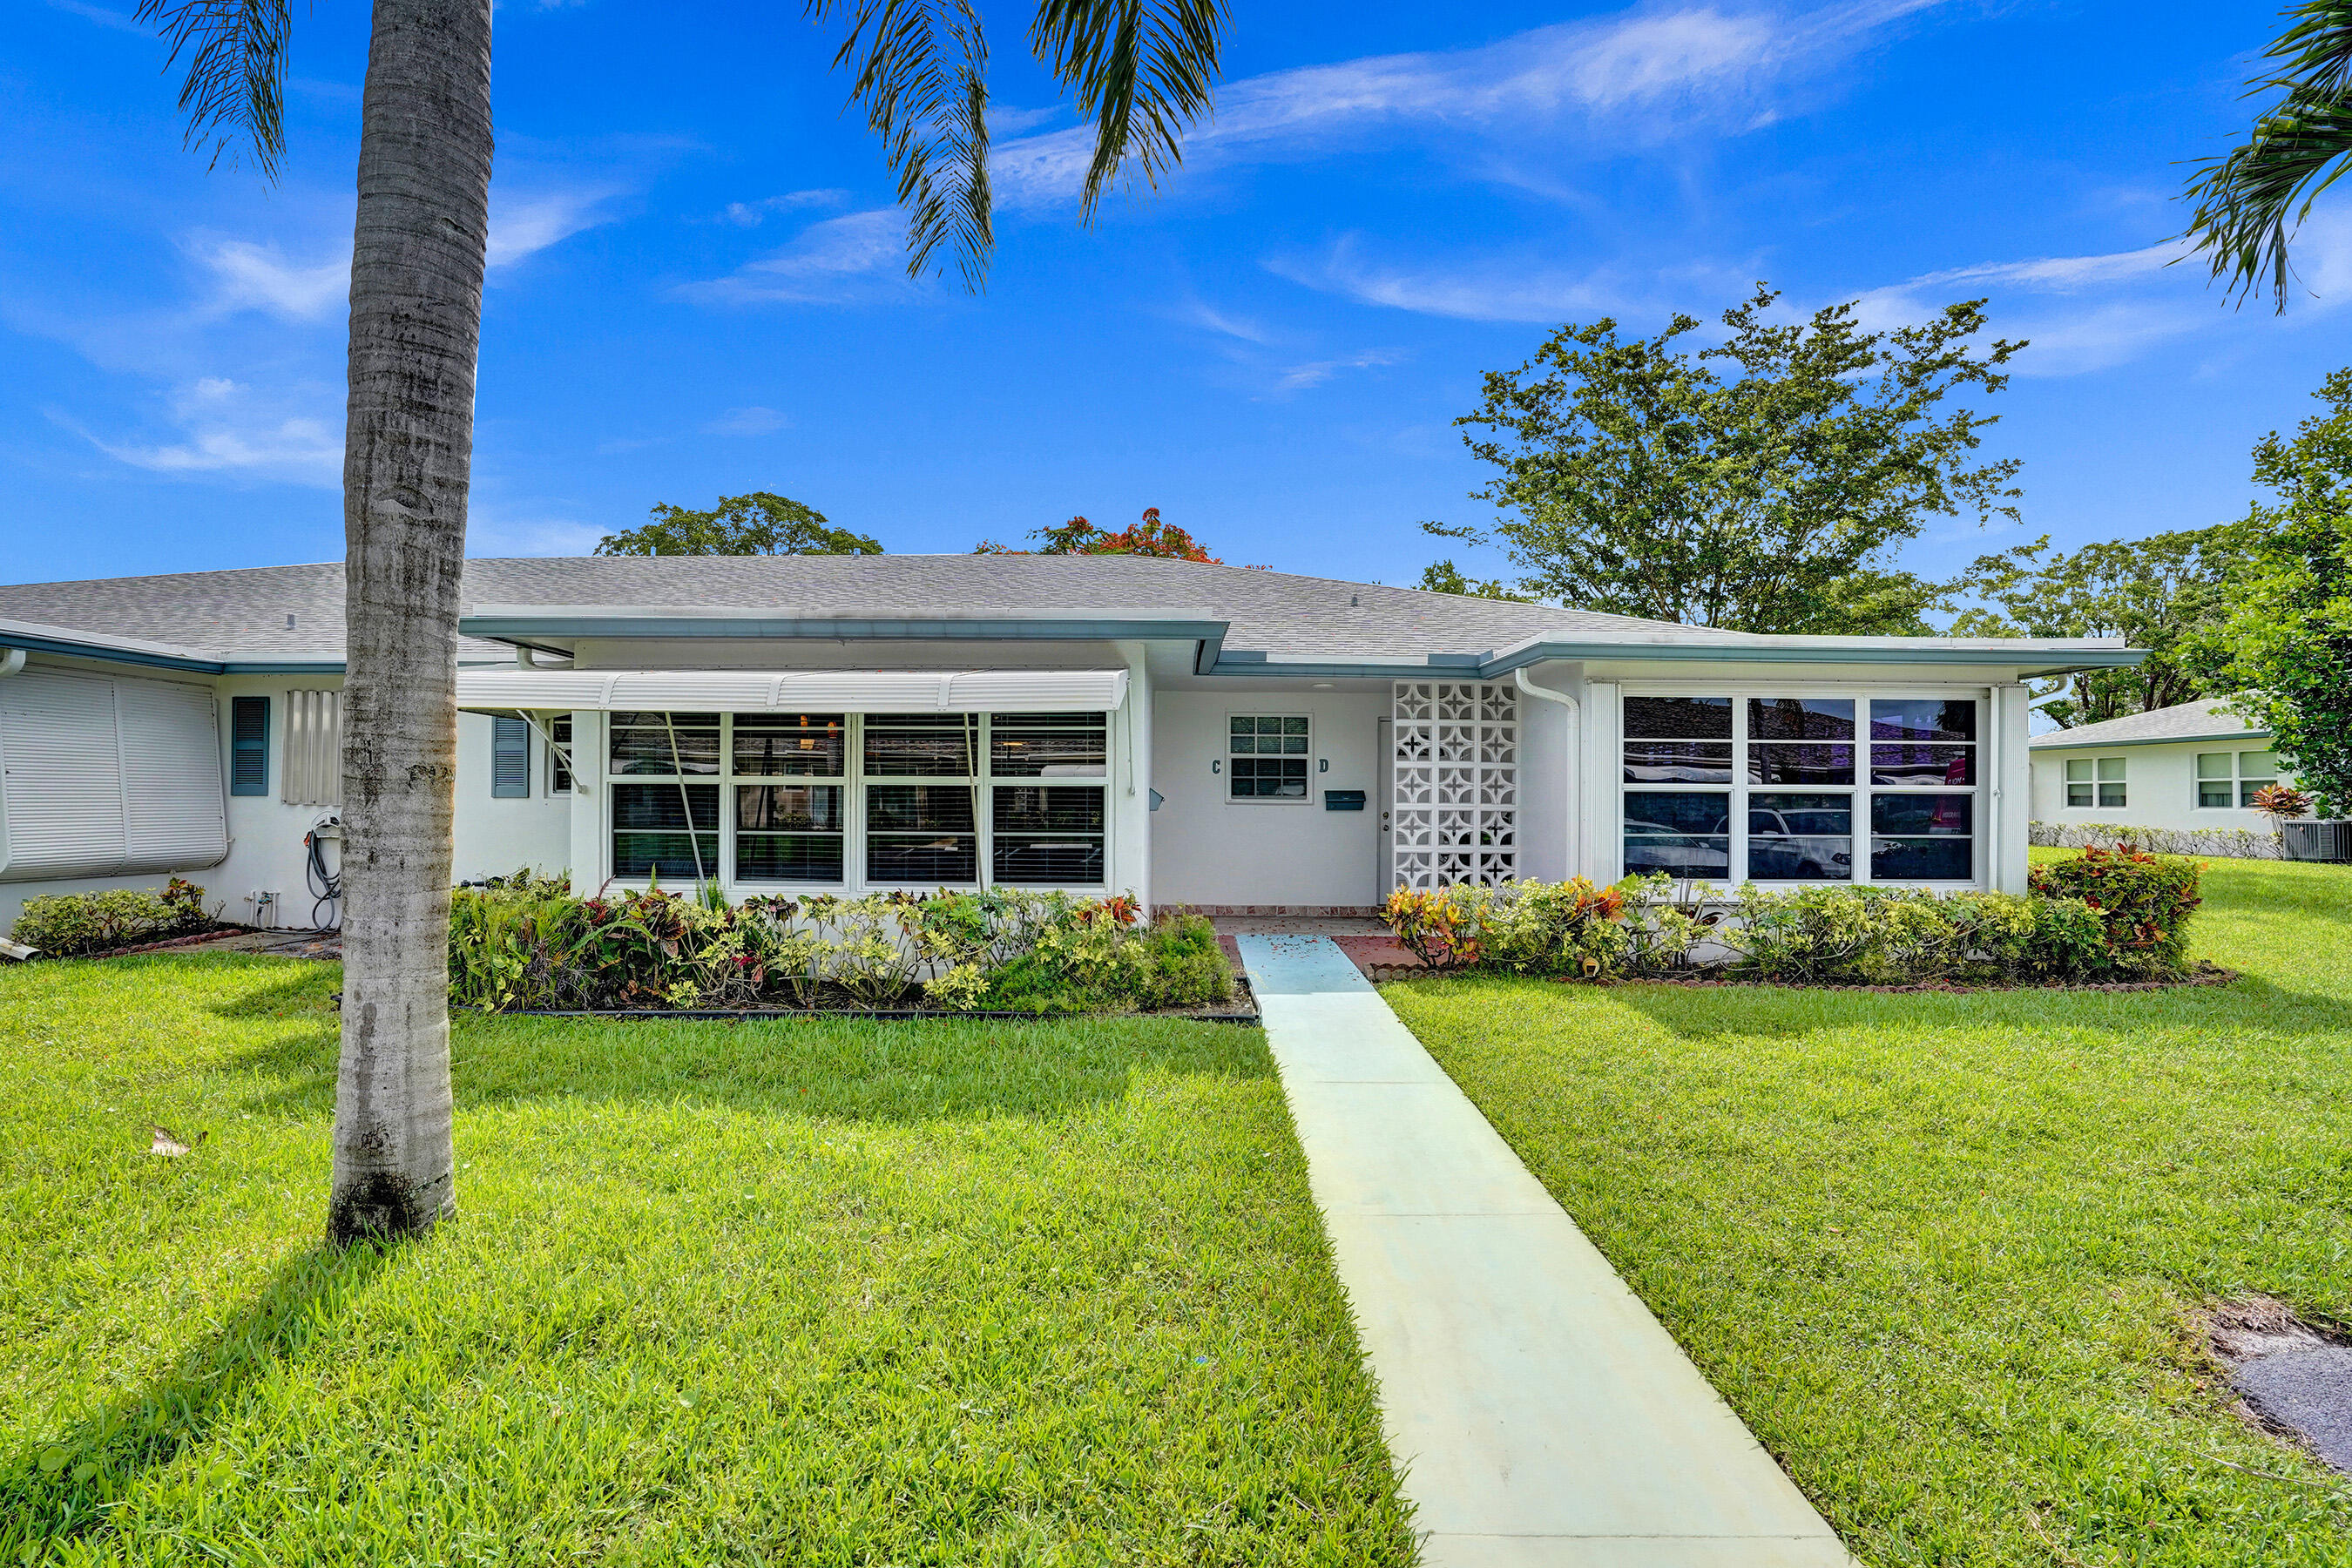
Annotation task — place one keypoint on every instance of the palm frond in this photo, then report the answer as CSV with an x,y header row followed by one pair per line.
x,y
922,75
1144,71
235,89
2249,202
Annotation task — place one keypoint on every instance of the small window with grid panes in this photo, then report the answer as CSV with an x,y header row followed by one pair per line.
x,y
2230,779
1267,756
2096,784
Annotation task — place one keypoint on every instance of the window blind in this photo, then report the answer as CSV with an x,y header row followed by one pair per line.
x,y
509,759
103,777
248,732
313,767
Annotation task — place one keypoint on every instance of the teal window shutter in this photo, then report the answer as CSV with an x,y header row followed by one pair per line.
x,y
249,745
509,759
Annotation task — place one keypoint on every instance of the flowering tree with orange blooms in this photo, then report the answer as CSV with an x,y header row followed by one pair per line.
x,y
1079,537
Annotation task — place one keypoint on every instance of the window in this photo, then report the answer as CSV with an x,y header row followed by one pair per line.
x,y
2229,779
650,836
248,730
792,832
1776,789
928,832
2094,784
1049,836
510,758
1919,745
903,800
1048,745
1266,757
788,833
672,744
559,754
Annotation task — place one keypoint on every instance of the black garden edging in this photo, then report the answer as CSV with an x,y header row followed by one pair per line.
x,y
882,1014
2204,974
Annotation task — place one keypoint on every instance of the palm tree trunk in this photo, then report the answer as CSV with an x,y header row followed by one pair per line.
x,y
417,256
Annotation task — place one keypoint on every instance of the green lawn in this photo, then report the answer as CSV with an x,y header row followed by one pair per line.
x,y
1938,1250
794,1293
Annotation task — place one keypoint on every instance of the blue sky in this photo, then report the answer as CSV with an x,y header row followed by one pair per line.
x,y
695,286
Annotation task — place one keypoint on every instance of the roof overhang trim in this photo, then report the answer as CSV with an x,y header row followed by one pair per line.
x,y
794,691
70,643
2057,743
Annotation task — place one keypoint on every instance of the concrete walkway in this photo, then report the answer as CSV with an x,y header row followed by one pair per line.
x,y
1542,1416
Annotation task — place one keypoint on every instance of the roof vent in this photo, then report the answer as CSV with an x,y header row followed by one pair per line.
x,y
289,623
1353,603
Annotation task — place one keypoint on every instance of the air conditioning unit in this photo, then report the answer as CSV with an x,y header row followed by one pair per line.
x,y
2330,843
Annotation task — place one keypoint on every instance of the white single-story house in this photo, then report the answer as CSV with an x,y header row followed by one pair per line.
x,y
1216,736
2195,766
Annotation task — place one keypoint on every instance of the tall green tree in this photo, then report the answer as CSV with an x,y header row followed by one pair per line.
x,y
1148,536
2285,645
2247,204
1762,485
760,523
2159,594
1142,72
1446,577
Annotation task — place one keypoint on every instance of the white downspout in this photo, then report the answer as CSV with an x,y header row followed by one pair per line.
x,y
11,661
1575,801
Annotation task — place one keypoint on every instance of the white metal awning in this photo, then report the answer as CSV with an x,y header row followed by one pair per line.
x,y
795,691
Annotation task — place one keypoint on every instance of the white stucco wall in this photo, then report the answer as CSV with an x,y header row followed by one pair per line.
x,y
2159,787
1209,849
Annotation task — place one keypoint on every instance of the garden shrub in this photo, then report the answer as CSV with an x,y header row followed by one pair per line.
x,y
522,941
1836,934
2069,940
1573,929
2143,903
2108,915
69,925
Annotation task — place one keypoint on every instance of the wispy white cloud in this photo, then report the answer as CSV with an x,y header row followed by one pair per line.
x,y
1004,120
855,258
1500,288
1202,314
1315,372
752,421
1644,74
227,428
257,274
751,215
2084,313
247,275
529,222
2077,313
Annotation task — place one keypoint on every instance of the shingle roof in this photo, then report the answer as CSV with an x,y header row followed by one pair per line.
x,y
2185,722
241,614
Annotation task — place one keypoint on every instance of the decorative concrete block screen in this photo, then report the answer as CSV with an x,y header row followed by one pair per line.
x,y
1455,816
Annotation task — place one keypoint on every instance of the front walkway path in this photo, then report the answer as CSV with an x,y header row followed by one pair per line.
x,y
1541,1414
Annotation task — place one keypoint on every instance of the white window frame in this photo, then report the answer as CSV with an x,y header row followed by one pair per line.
x,y
1226,753
1983,835
2238,777
559,751
853,781
2099,783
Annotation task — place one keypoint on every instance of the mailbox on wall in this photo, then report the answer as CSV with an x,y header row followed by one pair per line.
x,y
1343,800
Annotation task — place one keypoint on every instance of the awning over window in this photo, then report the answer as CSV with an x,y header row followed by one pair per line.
x,y
797,692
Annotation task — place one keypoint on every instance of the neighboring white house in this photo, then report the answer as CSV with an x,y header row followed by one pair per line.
x,y
1208,735
2196,765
